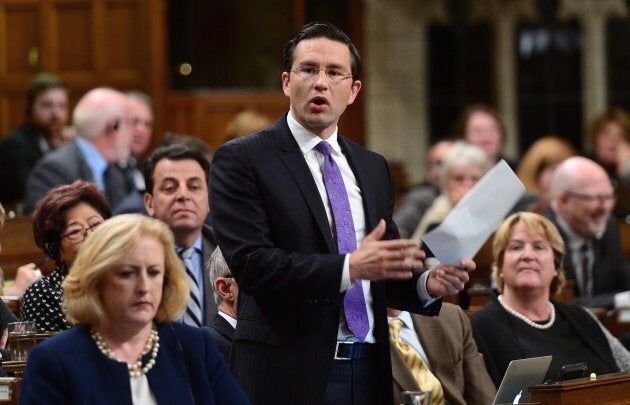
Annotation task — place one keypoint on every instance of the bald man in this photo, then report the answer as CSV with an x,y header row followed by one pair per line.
x,y
582,200
101,119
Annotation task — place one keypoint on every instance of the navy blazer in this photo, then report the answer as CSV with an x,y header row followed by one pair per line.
x,y
271,224
70,369
62,166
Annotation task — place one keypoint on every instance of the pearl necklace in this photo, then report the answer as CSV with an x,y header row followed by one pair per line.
x,y
528,321
135,369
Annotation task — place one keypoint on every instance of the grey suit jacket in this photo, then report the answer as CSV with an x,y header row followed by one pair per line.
x,y
450,347
208,244
62,166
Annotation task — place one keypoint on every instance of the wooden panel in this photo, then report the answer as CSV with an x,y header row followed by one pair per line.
x,y
71,41
12,107
624,231
126,57
18,247
206,114
20,25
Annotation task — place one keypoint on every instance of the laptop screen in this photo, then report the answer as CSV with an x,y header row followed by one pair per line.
x,y
521,374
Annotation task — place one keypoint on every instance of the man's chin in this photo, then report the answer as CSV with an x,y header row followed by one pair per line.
x,y
597,230
184,226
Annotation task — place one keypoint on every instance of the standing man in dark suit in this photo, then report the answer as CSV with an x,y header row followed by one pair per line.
x,y
447,344
103,138
582,201
176,178
315,279
226,297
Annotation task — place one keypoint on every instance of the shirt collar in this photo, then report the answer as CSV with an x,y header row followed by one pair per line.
x,y
228,318
307,140
404,317
196,245
94,158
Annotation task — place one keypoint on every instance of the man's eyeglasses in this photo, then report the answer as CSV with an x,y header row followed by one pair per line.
x,y
79,233
590,199
310,73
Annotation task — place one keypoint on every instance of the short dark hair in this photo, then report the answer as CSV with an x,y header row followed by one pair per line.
x,y
318,29
40,83
48,218
614,114
175,151
461,124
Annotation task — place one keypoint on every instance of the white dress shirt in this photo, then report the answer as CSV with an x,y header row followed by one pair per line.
x,y
314,159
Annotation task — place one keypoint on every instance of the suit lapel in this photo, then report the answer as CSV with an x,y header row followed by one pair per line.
x,y
291,155
363,180
223,327
433,341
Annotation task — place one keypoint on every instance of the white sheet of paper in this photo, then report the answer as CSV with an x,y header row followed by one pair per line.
x,y
476,216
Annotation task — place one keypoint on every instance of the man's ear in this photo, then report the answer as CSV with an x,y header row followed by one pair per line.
x,y
222,287
148,203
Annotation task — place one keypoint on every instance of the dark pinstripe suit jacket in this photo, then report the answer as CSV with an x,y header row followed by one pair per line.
x,y
271,224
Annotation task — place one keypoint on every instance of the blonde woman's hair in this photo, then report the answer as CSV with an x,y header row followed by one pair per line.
x,y
105,249
535,224
3,216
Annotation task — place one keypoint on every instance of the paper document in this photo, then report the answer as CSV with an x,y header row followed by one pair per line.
x,y
476,216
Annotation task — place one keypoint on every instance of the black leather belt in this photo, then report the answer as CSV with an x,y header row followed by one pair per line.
x,y
352,350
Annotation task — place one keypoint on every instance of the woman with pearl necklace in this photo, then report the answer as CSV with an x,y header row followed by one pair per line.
x,y
522,320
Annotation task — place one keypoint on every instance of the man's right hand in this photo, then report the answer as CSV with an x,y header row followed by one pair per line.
x,y
377,259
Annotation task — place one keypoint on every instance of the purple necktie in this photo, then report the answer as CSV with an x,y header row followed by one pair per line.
x,y
354,302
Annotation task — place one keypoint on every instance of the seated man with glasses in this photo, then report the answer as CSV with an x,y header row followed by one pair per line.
x,y
62,220
582,201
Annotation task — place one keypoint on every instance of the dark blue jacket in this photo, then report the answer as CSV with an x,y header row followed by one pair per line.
x,y
70,369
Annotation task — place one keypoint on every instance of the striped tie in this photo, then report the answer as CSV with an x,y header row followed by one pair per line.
x,y
192,316
427,381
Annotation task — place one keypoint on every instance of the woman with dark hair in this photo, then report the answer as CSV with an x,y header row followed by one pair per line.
x,y
61,221
481,125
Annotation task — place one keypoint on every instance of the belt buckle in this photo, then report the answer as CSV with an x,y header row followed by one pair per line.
x,y
337,357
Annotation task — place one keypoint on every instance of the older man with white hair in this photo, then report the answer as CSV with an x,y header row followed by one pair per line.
x,y
103,138
582,200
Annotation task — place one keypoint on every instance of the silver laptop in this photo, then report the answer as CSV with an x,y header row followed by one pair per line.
x,y
519,376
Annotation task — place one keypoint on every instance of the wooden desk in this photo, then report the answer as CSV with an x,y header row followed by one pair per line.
x,y
14,368
609,389
10,390
13,302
